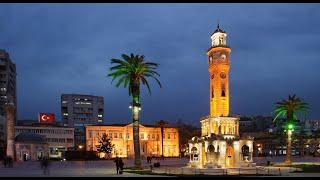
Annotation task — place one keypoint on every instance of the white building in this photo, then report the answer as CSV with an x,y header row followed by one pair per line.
x,y
59,139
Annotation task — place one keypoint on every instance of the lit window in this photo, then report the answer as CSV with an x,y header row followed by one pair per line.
x,y
168,136
115,135
65,114
120,135
64,102
99,115
141,136
128,136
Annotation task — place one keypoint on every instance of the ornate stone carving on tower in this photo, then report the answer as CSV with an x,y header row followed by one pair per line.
x,y
10,111
220,144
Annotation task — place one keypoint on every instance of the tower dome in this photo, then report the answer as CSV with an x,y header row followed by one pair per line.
x,y
219,37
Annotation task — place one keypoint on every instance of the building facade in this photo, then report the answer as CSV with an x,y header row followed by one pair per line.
x,y
220,144
79,110
121,136
8,92
30,146
59,139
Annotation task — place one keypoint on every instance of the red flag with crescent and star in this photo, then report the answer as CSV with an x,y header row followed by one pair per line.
x,y
46,117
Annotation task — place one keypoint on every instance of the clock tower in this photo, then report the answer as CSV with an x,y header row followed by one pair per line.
x,y
219,65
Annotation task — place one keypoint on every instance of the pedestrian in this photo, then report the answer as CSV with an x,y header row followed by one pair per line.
x,y
121,164
45,165
148,159
5,161
9,162
117,164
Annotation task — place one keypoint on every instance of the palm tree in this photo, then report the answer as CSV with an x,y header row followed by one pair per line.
x,y
162,124
131,71
288,109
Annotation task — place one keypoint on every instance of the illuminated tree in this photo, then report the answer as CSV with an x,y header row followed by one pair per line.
x,y
288,109
131,71
105,145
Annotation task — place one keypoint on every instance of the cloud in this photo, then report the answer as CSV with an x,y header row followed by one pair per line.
x,y
66,48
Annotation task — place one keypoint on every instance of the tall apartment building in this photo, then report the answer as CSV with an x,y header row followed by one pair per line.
x,y
79,110
7,91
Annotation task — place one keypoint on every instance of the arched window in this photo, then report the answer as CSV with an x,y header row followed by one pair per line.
x,y
223,90
194,154
223,93
211,148
245,152
212,92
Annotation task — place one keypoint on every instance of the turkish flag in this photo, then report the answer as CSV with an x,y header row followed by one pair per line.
x,y
46,117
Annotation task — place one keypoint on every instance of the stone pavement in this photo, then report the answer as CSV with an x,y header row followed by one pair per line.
x,y
66,169
169,165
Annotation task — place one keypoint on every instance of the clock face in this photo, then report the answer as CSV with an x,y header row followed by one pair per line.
x,y
223,56
223,75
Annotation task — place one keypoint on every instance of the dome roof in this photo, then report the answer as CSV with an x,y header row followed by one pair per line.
x,y
218,30
30,138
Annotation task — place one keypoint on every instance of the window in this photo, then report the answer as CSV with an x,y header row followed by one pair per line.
x,y
212,92
168,136
153,136
128,136
110,135
148,136
223,91
174,136
141,136
120,135
115,135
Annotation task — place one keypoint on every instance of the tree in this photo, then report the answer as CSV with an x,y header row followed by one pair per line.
x,y
186,132
162,124
105,145
288,109
131,71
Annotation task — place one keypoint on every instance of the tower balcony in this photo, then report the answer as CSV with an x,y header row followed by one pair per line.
x,y
223,46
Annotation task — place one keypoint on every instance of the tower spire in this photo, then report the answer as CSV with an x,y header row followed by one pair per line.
x,y
218,26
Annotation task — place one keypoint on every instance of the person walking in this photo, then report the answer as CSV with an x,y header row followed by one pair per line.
x,y
121,164
45,166
9,161
117,164
5,161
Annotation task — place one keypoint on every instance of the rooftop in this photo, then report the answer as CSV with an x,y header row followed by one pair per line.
x,y
30,138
